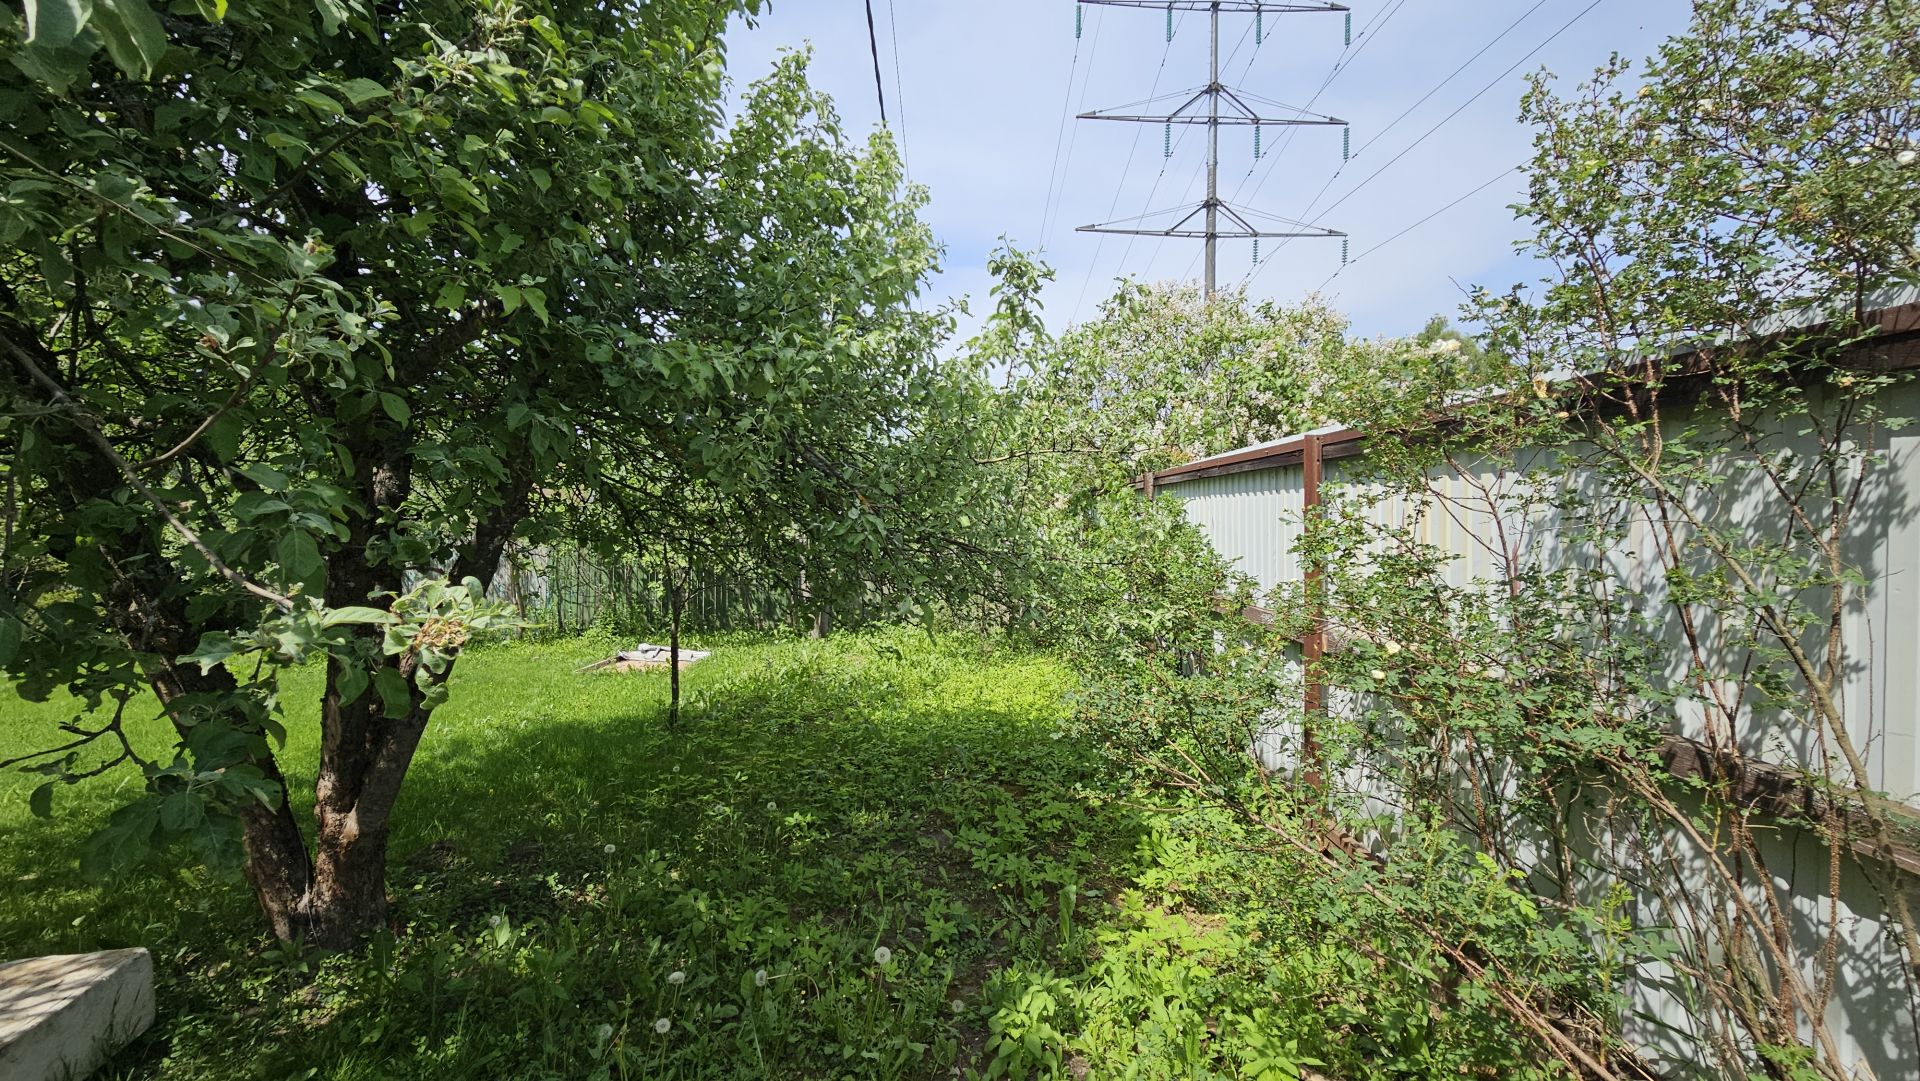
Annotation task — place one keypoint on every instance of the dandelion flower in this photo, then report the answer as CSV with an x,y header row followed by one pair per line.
x,y
882,955
608,850
676,977
603,1033
760,977
661,1026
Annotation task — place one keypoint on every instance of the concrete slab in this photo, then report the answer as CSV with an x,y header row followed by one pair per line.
x,y
60,1017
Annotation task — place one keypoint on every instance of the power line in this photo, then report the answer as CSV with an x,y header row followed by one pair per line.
x,y
1340,66
873,43
1204,219
1424,136
1121,187
1504,173
1060,136
899,89
1437,87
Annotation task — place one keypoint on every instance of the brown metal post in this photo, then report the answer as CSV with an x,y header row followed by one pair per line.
x,y
1314,645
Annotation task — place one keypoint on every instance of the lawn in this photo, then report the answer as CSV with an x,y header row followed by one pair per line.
x,y
880,856
827,871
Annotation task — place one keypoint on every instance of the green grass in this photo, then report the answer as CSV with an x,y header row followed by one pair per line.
x,y
558,854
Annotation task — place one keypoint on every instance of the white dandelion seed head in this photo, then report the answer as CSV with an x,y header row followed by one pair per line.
x,y
603,1033
493,921
661,1026
957,1006
760,977
676,977
608,850
772,806
882,955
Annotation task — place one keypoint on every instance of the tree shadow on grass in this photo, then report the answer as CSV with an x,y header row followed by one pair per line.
x,y
837,847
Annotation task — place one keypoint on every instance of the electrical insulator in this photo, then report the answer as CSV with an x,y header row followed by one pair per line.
x,y
1259,27
1169,22
1256,142
1349,28
1168,152
1346,144
1256,251
1079,21
1343,251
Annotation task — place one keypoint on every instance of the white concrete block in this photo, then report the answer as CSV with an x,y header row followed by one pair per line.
x,y
60,1017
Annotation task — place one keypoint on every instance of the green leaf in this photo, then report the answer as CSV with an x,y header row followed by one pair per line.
x,y
509,298
265,476
182,811
135,39
299,557
353,682
214,648
124,842
41,801
361,91
54,23
396,406
223,435
319,102
452,295
392,687
537,300
332,14
356,614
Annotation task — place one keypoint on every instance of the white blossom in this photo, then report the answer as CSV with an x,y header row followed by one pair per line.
x,y
603,1033
1906,157
1378,675
661,1026
760,977
882,955
676,977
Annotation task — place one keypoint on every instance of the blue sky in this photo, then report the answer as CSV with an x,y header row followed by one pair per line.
x,y
978,89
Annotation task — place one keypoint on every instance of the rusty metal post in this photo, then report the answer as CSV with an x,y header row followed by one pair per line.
x,y
1313,647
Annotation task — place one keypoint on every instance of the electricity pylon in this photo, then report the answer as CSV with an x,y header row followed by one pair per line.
x,y
1216,106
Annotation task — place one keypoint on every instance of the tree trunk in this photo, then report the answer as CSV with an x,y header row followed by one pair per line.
x,y
277,866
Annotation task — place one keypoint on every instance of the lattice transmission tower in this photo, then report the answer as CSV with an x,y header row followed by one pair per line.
x,y
1217,105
